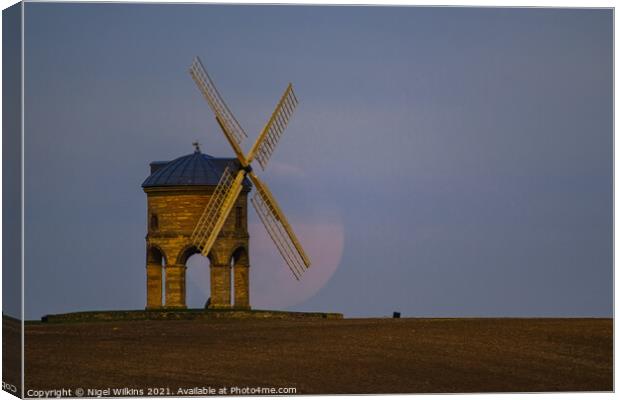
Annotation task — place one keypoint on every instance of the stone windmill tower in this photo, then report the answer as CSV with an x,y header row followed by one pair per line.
x,y
177,193
198,204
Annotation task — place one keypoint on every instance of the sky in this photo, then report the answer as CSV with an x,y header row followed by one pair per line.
x,y
441,161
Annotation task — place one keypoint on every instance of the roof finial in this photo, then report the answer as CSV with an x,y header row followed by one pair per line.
x,y
196,144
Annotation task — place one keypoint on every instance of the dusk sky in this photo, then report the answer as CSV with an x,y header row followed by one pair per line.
x,y
441,161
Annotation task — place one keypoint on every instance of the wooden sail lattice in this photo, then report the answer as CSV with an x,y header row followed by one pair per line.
x,y
271,133
279,229
210,223
216,102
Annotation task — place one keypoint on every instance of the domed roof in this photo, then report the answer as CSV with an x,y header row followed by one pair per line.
x,y
193,169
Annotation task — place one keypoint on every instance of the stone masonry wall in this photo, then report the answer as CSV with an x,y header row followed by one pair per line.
x,y
171,216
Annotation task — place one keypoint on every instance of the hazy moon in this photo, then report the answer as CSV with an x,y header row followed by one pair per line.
x,y
272,285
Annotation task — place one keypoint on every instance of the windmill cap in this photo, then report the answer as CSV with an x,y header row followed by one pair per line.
x,y
198,169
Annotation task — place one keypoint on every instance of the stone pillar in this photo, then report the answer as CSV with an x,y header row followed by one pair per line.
x,y
175,286
220,286
242,286
153,286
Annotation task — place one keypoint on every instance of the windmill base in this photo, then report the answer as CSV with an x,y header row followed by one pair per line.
x,y
183,314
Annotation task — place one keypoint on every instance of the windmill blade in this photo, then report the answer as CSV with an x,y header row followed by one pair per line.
x,y
278,228
225,118
271,133
214,216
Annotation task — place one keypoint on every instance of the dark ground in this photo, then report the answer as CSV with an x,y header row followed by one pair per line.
x,y
11,354
326,356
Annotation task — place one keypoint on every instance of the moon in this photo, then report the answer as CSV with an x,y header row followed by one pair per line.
x,y
272,284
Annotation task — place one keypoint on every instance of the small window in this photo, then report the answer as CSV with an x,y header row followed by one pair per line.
x,y
239,218
154,222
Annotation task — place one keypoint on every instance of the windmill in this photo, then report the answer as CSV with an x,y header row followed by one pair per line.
x,y
229,186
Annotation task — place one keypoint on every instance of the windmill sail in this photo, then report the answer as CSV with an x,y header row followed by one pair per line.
x,y
227,191
279,229
214,216
271,133
225,117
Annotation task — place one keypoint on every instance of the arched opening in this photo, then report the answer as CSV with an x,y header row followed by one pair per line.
x,y
155,262
155,255
240,278
197,278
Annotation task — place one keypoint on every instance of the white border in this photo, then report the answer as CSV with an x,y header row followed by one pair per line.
x,y
23,192
478,3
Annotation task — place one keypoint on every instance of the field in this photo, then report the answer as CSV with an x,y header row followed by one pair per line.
x,y
325,356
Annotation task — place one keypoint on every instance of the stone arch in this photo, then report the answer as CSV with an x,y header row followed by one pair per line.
x,y
240,256
182,259
155,261
240,263
186,252
155,254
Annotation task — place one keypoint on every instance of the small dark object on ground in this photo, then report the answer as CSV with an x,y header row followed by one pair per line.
x,y
396,314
